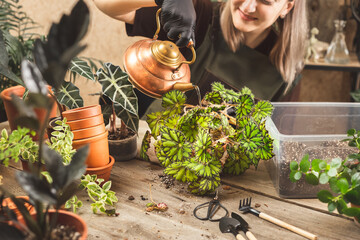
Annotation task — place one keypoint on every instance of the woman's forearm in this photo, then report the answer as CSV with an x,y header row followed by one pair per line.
x,y
116,8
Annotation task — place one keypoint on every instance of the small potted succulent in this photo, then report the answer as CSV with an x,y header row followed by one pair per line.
x,y
341,175
118,100
225,134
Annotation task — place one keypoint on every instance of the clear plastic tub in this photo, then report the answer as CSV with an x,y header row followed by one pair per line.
x,y
314,128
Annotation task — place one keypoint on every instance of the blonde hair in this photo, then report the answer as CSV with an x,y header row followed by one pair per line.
x,y
288,52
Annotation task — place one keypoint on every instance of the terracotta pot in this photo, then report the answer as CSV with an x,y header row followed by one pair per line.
x,y
8,202
81,113
124,149
86,122
26,167
89,132
68,219
98,152
102,172
356,219
12,112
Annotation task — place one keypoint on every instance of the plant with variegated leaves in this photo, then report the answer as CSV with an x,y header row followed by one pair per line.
x,y
118,99
195,144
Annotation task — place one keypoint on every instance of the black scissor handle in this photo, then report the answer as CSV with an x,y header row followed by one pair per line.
x,y
213,207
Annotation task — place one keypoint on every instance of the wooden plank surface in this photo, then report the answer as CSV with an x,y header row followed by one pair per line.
x,y
133,178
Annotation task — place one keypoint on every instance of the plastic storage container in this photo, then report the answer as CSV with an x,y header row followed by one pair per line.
x,y
313,128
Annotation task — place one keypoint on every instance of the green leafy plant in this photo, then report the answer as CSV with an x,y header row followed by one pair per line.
x,y
101,196
18,144
44,195
17,42
196,144
343,177
73,203
61,140
118,99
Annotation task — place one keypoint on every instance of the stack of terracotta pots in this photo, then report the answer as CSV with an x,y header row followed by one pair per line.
x,y
87,125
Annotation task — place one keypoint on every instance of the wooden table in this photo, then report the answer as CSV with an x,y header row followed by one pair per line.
x,y
133,178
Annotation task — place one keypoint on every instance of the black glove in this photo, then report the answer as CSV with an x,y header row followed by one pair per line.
x,y
179,19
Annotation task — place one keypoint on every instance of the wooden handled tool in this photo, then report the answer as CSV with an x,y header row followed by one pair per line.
x,y
288,226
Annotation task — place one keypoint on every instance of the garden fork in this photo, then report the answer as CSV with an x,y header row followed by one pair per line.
x,y
245,207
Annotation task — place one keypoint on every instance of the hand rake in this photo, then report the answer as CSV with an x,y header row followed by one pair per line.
x,y
245,207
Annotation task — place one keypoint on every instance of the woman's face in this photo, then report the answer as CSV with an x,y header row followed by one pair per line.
x,y
254,16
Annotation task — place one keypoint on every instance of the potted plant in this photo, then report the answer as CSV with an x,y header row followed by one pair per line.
x,y
195,144
16,43
65,92
118,100
341,175
43,195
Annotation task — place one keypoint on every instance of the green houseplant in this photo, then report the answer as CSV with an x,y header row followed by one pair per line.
x,y
342,175
196,144
118,100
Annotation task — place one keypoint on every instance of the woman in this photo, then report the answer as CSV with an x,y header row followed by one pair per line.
x,y
253,43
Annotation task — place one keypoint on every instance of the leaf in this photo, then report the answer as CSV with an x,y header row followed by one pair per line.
x,y
251,138
323,178
69,95
155,121
343,185
174,144
38,189
213,97
77,166
131,120
294,166
304,165
312,179
262,110
202,147
174,101
324,196
82,68
352,212
32,78
27,116
55,167
145,145
245,106
117,87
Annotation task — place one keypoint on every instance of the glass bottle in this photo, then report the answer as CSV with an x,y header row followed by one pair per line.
x,y
337,51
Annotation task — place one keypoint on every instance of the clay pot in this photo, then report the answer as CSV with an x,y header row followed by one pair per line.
x,y
86,122
124,149
68,219
84,133
26,168
82,113
98,149
10,204
104,171
12,112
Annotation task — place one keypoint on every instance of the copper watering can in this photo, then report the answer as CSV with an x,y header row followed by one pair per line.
x,y
157,67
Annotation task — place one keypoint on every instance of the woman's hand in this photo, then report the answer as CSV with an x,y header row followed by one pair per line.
x,y
179,19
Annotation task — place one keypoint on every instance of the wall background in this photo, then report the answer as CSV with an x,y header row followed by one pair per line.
x,y
107,41
106,38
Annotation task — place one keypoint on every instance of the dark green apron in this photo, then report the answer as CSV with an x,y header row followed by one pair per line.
x,y
246,67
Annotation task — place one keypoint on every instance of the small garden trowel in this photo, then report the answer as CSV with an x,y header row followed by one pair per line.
x,y
244,226
228,225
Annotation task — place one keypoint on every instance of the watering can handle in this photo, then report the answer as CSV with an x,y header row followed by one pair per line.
x,y
190,45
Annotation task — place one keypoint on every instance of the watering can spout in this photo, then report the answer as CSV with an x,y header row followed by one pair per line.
x,y
181,86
